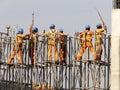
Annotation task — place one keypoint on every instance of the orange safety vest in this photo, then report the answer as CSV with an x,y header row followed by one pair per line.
x,y
86,37
53,36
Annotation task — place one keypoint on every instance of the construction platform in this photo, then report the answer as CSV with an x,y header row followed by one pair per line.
x,y
85,74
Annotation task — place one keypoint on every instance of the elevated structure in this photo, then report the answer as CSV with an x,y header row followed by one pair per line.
x,y
86,74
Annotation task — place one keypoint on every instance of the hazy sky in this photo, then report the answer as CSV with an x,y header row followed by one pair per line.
x,y
70,15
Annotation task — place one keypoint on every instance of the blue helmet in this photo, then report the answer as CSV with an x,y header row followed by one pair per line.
x,y
52,26
20,31
60,30
87,27
35,29
98,25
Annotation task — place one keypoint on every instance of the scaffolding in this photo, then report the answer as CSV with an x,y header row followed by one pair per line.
x,y
86,74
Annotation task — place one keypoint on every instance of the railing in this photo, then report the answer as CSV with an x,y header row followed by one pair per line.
x,y
85,74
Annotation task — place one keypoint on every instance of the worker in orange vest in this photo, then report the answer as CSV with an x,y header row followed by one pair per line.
x,y
53,39
63,47
18,47
86,37
33,44
98,39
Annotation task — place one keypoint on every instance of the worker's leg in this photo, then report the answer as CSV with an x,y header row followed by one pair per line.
x,y
12,55
36,87
81,52
93,52
31,54
63,52
49,52
49,87
99,51
20,61
56,53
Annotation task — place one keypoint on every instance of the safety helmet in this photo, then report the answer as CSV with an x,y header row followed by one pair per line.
x,y
87,27
98,25
35,29
20,31
52,26
60,30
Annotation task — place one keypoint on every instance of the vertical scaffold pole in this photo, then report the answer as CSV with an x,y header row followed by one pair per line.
x,y
69,63
74,63
43,58
105,61
108,73
88,70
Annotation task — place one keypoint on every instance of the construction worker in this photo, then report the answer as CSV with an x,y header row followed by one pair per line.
x,y
86,37
53,39
33,44
63,46
18,47
98,39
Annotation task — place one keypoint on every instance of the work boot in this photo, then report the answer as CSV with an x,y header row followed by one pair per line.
x,y
10,60
78,58
49,87
36,87
33,62
43,87
20,62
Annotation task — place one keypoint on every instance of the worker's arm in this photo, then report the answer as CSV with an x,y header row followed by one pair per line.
x,y
24,36
100,30
30,29
62,34
81,34
45,34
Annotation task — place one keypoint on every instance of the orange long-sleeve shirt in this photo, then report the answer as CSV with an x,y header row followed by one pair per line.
x,y
86,35
52,36
99,35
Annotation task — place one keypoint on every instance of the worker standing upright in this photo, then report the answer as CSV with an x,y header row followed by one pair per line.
x,y
33,44
86,37
98,39
53,39
63,46
18,47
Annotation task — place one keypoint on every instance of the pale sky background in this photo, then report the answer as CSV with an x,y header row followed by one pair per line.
x,y
70,15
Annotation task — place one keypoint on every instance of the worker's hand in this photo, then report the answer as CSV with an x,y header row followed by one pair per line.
x,y
105,27
42,35
27,34
65,34
76,33
39,35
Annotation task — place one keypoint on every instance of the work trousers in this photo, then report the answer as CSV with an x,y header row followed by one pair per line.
x,y
83,48
63,48
16,50
50,47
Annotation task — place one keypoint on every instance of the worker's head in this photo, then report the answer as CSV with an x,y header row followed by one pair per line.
x,y
35,29
20,31
61,30
99,25
52,26
87,27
